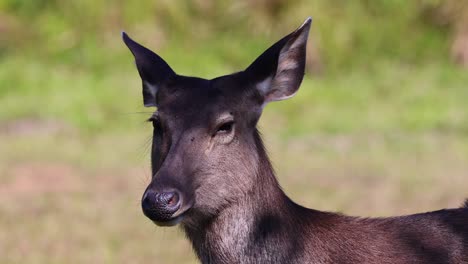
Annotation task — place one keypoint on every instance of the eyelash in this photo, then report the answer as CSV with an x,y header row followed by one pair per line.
x,y
156,122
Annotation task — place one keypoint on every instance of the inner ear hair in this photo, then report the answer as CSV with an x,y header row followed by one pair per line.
x,y
280,69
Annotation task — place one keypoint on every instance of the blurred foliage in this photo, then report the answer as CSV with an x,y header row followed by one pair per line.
x,y
65,60
75,30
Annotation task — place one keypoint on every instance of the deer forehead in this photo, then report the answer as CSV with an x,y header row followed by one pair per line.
x,y
188,97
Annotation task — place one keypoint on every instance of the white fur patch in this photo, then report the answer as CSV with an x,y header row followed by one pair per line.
x,y
264,86
153,89
287,63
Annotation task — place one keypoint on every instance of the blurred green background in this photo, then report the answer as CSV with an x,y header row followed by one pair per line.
x,y
379,127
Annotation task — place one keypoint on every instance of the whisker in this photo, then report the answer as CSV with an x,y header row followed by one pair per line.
x,y
134,113
143,148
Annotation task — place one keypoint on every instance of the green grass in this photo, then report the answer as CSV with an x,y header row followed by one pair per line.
x,y
66,61
389,97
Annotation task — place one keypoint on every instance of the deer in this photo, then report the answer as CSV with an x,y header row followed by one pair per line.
x,y
211,175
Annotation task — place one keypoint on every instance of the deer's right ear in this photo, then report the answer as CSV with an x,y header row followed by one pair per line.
x,y
153,70
278,72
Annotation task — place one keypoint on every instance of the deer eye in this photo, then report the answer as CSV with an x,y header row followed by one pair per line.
x,y
225,128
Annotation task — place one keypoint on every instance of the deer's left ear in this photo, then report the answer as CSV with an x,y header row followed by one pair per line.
x,y
278,72
154,71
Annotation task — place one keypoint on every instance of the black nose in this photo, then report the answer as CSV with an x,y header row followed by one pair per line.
x,y
160,206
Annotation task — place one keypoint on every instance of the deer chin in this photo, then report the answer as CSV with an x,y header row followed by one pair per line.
x,y
172,222
176,218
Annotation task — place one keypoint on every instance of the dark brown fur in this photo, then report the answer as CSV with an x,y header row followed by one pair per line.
x,y
212,175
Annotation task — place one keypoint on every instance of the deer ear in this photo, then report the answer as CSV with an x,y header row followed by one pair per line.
x,y
153,70
278,72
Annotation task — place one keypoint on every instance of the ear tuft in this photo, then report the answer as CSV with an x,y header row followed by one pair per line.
x,y
153,70
124,35
278,72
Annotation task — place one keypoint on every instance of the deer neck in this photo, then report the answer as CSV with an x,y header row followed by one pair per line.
x,y
245,229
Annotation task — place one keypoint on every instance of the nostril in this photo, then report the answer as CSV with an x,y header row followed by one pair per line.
x,y
161,206
174,200
170,199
